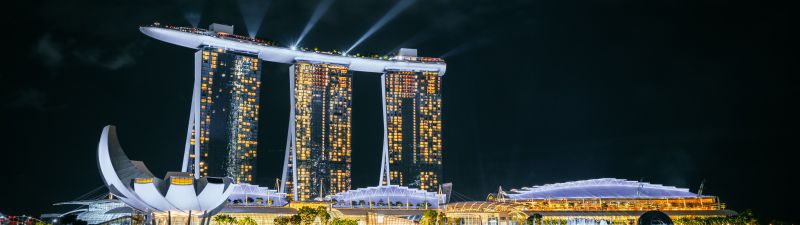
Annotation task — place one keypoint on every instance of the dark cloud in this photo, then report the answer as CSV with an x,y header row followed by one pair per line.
x,y
110,60
29,99
48,51
53,53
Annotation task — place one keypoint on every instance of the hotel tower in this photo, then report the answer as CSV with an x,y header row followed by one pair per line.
x,y
223,123
317,160
412,153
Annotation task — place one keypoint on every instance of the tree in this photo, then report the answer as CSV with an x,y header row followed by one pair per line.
x,y
282,220
429,217
307,215
225,219
342,221
534,219
246,221
295,219
323,215
745,217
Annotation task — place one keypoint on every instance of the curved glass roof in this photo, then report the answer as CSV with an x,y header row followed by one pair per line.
x,y
394,194
243,191
599,188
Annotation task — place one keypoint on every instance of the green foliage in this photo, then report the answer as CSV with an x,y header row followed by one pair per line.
x,y
431,217
534,219
282,220
305,216
745,217
246,221
225,219
342,221
295,219
323,215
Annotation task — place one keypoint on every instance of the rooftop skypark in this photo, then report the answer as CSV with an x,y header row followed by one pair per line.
x,y
228,35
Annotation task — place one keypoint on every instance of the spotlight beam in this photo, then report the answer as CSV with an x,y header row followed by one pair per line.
x,y
464,47
414,40
396,10
193,18
192,10
253,12
318,12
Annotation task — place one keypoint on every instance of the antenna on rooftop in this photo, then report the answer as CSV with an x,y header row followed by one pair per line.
x,y
639,190
501,195
700,190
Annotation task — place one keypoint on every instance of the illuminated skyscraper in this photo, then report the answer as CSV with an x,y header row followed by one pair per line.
x,y
318,147
317,161
225,110
413,129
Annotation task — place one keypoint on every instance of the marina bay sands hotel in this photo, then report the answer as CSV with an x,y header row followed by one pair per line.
x,y
221,139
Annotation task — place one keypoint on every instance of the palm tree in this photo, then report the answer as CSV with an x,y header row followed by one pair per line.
x,y
282,220
429,217
323,215
534,219
247,221
224,219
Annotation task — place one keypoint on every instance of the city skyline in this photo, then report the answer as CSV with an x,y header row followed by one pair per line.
x,y
537,92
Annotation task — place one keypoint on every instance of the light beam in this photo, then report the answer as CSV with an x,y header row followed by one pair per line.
x,y
413,41
193,18
192,10
396,10
318,12
464,47
253,12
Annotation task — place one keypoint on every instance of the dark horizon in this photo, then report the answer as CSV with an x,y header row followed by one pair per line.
x,y
535,92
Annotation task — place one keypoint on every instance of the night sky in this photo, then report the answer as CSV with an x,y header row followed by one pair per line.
x,y
536,92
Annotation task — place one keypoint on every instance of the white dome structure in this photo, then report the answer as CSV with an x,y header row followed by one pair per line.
x,y
602,188
386,196
135,185
254,195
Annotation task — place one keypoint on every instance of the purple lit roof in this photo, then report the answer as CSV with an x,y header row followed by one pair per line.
x,y
599,188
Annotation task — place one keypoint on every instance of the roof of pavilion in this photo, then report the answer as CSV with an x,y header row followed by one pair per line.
x,y
599,188
387,192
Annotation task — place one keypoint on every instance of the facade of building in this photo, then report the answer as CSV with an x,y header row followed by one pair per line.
x,y
318,150
227,105
594,201
413,123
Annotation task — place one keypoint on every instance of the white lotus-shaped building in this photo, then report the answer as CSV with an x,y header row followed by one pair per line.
x,y
178,192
